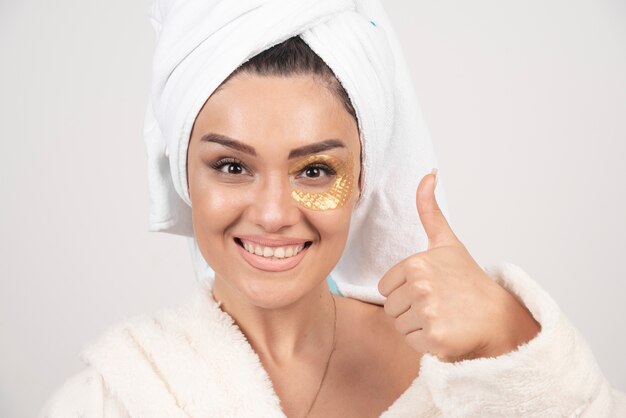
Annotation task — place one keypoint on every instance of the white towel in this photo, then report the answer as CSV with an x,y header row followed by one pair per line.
x,y
200,42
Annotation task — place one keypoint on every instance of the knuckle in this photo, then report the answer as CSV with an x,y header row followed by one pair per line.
x,y
416,264
422,287
436,337
430,312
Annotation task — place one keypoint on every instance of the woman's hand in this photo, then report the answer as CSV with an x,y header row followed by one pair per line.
x,y
444,302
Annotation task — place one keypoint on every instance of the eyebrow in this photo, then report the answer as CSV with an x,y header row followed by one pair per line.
x,y
294,153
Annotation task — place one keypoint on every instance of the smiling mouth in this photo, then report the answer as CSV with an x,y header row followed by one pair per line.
x,y
273,253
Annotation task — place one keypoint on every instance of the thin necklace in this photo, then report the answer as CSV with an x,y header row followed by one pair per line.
x,y
327,361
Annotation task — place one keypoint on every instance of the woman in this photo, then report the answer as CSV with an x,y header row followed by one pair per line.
x,y
278,169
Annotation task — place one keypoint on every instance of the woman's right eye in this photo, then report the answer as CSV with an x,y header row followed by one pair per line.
x,y
229,166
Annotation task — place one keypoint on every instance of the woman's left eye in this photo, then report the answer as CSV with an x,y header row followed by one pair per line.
x,y
314,171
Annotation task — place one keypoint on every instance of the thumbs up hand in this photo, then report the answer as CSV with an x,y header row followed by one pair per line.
x,y
444,303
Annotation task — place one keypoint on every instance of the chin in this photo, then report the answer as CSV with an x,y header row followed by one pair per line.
x,y
273,294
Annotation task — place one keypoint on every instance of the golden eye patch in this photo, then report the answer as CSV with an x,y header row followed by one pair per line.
x,y
332,196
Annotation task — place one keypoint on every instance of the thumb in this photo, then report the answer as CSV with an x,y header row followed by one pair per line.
x,y
434,222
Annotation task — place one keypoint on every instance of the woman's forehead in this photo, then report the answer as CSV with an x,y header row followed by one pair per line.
x,y
292,111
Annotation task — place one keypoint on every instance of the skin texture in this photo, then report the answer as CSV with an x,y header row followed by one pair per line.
x,y
439,301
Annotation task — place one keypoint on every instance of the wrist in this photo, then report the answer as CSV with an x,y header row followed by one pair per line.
x,y
518,328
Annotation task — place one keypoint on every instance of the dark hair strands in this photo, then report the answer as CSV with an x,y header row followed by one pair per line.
x,y
294,57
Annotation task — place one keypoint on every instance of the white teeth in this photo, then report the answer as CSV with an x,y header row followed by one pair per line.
x,y
273,252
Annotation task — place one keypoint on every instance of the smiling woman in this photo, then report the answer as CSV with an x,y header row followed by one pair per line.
x,y
281,171
271,215
263,194
273,169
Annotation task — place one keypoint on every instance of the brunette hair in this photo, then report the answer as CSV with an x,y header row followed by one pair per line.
x,y
295,57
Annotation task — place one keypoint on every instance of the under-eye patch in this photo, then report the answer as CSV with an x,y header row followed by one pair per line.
x,y
324,196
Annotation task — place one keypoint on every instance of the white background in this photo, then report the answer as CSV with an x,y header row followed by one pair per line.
x,y
525,101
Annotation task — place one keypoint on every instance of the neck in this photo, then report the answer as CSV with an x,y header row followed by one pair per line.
x,y
285,332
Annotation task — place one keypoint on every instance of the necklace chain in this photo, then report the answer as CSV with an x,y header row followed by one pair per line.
x,y
327,361
329,355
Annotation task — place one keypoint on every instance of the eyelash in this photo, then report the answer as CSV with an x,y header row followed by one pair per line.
x,y
218,165
329,171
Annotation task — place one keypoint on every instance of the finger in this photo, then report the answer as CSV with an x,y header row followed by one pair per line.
x,y
399,300
434,222
393,278
417,339
409,321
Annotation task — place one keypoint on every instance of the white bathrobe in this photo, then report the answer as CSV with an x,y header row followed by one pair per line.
x,y
193,361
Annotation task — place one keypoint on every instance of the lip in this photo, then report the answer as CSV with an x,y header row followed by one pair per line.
x,y
270,264
272,242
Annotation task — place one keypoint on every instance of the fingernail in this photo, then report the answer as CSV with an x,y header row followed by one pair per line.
x,y
436,173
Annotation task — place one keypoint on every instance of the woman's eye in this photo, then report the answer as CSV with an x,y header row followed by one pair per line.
x,y
229,166
313,172
317,171
233,168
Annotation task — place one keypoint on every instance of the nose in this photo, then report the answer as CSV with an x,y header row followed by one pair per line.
x,y
272,206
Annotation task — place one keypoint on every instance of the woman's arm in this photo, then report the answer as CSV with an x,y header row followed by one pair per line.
x,y
554,374
495,343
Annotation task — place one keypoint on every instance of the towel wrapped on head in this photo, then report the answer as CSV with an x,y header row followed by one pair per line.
x,y
199,43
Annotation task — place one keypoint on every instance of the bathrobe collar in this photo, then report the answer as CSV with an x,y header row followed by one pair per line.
x,y
190,361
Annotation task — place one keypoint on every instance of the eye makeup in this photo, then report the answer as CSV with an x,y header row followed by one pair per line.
x,y
334,196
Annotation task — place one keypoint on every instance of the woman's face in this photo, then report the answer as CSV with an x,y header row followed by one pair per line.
x,y
273,171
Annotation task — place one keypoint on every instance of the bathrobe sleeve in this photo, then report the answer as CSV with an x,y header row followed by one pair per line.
x,y
83,395
553,375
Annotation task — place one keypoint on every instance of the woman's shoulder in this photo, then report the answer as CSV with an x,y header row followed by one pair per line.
x,y
372,343
83,395
374,325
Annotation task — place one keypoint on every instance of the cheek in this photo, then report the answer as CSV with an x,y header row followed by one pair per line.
x,y
214,209
333,227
